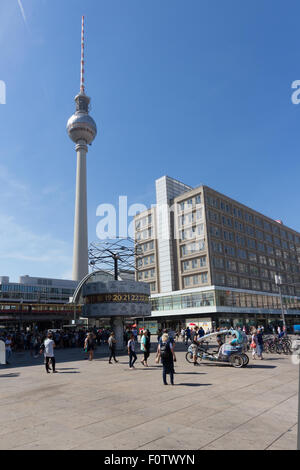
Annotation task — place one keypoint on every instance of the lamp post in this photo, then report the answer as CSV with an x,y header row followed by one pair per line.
x,y
278,282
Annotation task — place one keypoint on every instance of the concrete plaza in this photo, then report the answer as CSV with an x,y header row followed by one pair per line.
x,y
94,405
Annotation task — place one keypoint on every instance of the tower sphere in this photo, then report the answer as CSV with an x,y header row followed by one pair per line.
x,y
81,126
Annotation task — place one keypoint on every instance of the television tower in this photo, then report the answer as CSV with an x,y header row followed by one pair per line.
x,y
82,130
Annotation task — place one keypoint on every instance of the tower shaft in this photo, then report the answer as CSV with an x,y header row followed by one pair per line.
x,y
80,252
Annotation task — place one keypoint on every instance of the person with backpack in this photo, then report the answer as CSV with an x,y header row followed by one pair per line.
x,y
131,351
165,353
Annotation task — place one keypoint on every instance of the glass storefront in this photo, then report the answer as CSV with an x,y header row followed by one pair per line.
x,y
224,298
182,301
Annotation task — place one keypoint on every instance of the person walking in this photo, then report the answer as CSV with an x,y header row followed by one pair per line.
x,y
145,347
187,335
112,347
48,347
253,344
90,346
8,346
259,344
131,351
194,345
165,353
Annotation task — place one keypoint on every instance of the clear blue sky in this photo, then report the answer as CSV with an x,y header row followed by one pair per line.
x,y
196,89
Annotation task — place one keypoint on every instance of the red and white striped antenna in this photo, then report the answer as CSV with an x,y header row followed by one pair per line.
x,y
82,87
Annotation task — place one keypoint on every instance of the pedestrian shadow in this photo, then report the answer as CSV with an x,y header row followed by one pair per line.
x,y
260,366
273,358
10,375
191,373
68,372
69,368
193,385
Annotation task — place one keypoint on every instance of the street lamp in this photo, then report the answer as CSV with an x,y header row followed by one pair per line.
x,y
279,283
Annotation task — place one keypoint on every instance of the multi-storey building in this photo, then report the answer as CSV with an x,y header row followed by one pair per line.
x,y
36,289
207,255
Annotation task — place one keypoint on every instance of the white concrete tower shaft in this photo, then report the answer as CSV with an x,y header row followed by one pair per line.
x,y
80,249
82,130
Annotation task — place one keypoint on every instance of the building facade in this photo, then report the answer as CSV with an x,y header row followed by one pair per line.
x,y
206,254
36,289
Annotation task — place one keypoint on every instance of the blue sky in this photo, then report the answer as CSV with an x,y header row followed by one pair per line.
x,y
196,89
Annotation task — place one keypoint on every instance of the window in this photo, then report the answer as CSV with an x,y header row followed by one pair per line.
x,y
187,281
248,218
245,283
242,254
231,265
259,234
217,247
250,230
283,233
243,268
258,222
229,250
203,278
199,214
237,212
218,262
232,281
228,236
186,265
251,243
264,273
212,202
260,246
268,238
215,231
200,229
255,284
252,257
267,226
202,261
238,226
262,259
254,270
240,240
152,286
194,263
198,199
270,250
266,286
213,216
227,221
219,279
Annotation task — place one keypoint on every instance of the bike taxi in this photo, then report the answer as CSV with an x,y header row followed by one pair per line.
x,y
229,344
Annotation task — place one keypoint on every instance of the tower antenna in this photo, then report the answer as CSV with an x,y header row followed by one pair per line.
x,y
82,87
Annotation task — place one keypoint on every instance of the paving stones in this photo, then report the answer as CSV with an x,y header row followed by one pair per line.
x,y
92,405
